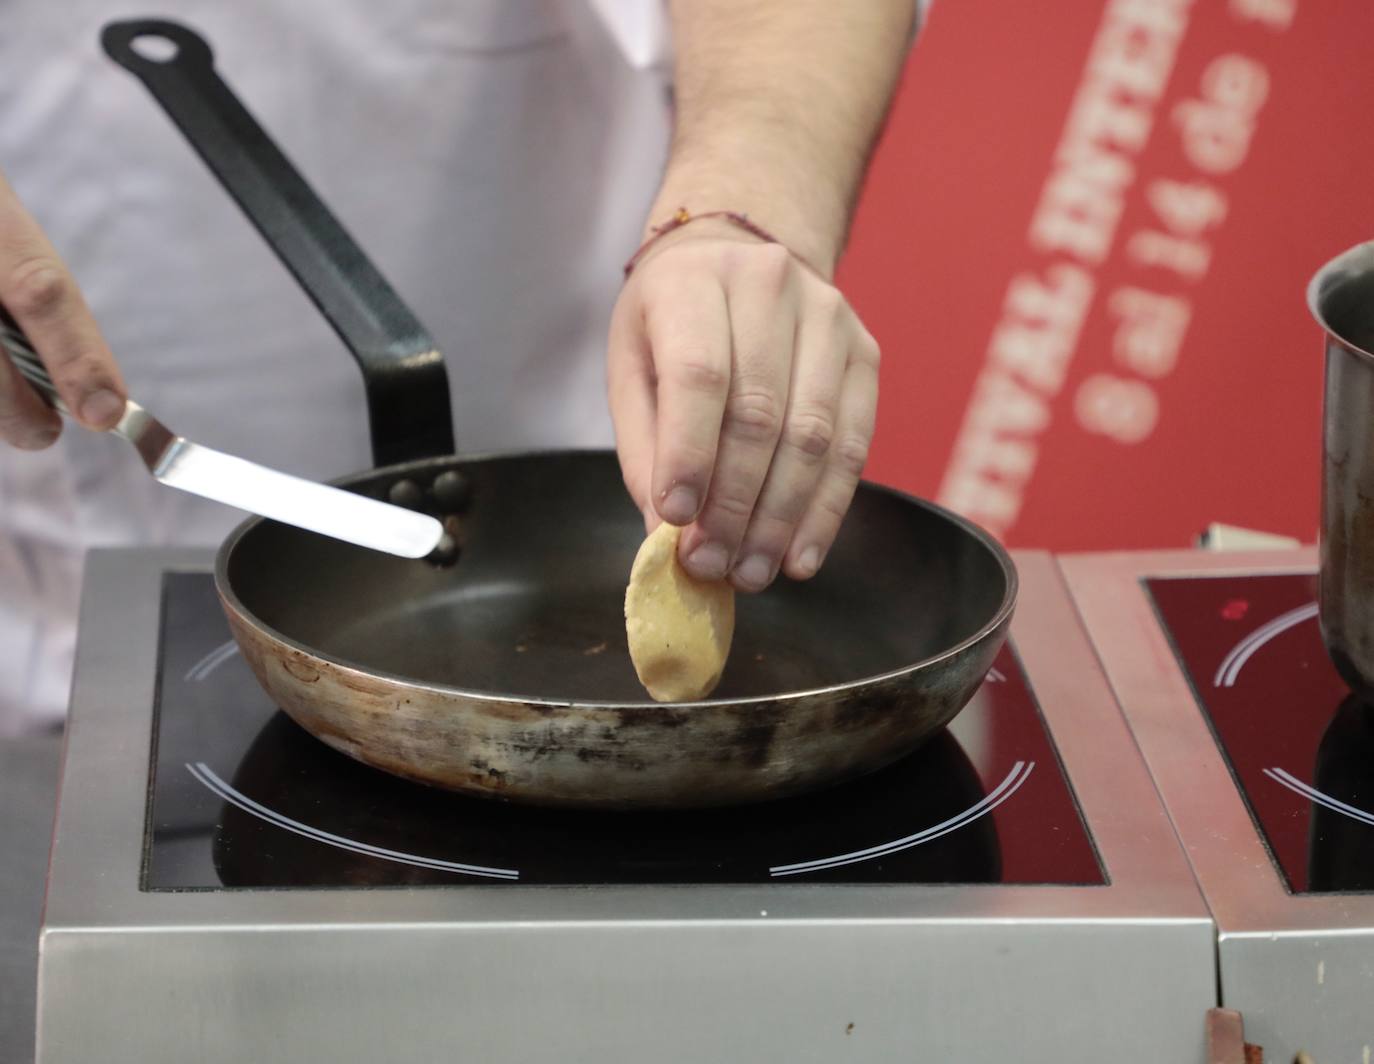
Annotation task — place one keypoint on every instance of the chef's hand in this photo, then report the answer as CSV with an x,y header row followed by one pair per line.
x,y
743,390
38,290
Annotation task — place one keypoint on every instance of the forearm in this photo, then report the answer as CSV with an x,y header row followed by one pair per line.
x,y
778,103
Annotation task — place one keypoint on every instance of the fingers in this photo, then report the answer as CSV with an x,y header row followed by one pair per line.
x,y
688,326
744,393
808,433
820,524
43,297
25,420
762,301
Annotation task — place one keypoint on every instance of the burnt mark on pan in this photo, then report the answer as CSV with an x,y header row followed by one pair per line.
x,y
547,750
756,727
519,712
366,686
491,776
606,735
754,742
301,669
861,708
598,755
515,712
651,715
549,743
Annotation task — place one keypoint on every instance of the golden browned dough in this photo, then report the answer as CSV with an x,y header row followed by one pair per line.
x,y
679,629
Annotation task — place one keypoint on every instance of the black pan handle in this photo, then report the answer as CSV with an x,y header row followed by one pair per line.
x,y
407,386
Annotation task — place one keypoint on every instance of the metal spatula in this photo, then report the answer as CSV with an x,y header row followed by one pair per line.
x,y
179,463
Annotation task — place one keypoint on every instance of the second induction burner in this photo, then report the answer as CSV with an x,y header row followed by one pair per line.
x,y
1299,745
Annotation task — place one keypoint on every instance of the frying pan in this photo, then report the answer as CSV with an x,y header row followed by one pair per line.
x,y
505,672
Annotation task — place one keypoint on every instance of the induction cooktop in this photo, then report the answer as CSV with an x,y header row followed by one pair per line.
x,y
269,899
243,798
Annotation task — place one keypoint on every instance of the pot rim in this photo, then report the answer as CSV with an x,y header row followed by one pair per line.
x,y
1356,260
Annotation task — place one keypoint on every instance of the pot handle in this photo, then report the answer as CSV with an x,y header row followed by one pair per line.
x,y
404,375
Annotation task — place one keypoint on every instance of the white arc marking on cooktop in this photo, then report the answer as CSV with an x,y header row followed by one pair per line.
x,y
995,676
1245,649
1018,775
201,771
212,661
1292,782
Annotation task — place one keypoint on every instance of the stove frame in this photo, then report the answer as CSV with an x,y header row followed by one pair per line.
x,y
1298,967
1124,971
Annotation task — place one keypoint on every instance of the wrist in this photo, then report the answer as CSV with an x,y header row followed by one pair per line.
x,y
709,225
808,220
670,225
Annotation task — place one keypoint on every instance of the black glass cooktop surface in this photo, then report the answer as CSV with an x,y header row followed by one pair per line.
x,y
242,798
1299,745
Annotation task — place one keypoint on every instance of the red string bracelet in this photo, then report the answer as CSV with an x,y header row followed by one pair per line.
x,y
683,217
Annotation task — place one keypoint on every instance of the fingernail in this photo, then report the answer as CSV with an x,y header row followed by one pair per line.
x,y
101,408
709,561
809,561
680,505
754,572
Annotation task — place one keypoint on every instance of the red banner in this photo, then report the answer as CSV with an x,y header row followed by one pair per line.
x,y
1084,248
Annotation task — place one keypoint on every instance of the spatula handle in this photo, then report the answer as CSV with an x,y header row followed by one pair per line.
x,y
26,359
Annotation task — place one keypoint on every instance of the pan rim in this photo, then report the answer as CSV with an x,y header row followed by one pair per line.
x,y
998,621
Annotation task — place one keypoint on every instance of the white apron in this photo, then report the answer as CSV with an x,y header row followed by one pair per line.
x,y
495,158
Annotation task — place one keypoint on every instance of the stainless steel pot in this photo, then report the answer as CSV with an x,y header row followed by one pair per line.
x,y
1341,296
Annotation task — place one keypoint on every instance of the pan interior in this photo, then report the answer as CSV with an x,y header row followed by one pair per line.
x,y
534,606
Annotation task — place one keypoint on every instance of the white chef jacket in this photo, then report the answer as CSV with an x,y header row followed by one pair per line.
x,y
495,159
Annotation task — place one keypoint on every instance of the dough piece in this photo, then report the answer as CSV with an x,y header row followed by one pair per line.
x,y
679,629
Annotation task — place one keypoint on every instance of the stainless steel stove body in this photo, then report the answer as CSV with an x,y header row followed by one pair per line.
x,y
153,951
1266,765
